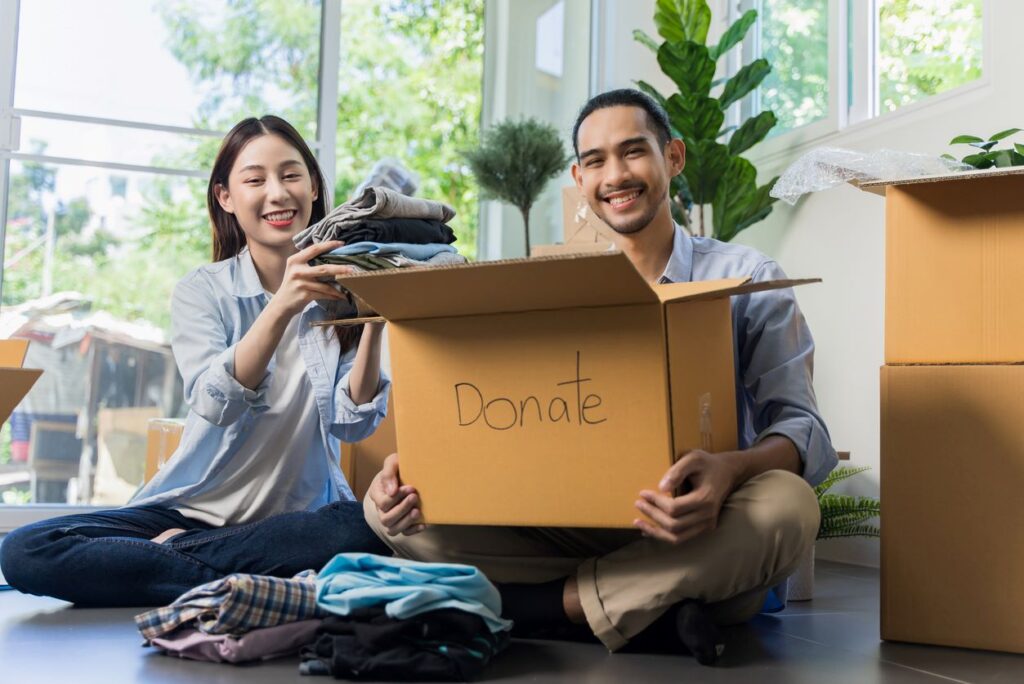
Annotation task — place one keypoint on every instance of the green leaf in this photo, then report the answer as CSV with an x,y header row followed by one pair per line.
x,y
734,34
978,161
681,20
645,39
838,475
759,208
751,132
965,139
696,118
1018,147
948,156
744,81
1001,158
725,131
706,161
650,90
984,145
1017,158
855,531
736,189
689,67
1004,134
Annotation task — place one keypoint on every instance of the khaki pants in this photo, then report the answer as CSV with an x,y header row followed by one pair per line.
x,y
625,580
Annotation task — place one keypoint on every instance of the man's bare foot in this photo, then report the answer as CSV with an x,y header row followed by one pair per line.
x,y
167,535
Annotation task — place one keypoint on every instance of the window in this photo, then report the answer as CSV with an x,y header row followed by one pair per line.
x,y
840,62
103,184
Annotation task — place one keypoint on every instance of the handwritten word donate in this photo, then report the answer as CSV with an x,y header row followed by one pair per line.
x,y
504,413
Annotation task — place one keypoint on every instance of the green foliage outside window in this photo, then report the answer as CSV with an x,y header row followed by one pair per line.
x,y
926,47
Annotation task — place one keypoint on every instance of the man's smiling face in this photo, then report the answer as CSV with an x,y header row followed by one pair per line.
x,y
623,170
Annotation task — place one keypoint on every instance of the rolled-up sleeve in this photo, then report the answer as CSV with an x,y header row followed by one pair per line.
x,y
199,340
353,422
776,355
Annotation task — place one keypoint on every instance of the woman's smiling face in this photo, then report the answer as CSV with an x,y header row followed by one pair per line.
x,y
270,191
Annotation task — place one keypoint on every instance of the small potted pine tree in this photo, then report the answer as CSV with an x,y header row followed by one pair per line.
x,y
515,160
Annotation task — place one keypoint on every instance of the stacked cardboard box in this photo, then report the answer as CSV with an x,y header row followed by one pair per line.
x,y
952,403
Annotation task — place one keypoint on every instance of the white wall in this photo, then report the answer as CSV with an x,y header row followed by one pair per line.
x,y
838,234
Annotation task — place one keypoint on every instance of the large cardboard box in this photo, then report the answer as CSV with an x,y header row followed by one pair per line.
x,y
953,268
550,391
15,381
952,476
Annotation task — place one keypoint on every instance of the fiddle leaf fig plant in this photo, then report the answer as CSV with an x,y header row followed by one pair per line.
x,y
988,156
715,174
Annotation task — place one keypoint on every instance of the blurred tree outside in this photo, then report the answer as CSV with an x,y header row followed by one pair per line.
x,y
794,40
926,47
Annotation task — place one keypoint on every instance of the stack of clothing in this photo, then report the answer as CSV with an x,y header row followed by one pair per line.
x,y
362,617
236,619
383,215
374,256
397,619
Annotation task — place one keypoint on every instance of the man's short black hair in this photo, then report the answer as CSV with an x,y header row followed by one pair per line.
x,y
657,119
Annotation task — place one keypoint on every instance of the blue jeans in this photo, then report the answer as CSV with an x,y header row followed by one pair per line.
x,y
107,559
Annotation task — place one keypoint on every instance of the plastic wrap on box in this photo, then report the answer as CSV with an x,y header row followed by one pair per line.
x,y
826,167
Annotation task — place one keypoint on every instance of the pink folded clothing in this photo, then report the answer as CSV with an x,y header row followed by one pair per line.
x,y
258,644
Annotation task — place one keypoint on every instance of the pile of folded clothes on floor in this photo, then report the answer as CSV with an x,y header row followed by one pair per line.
x,y
361,617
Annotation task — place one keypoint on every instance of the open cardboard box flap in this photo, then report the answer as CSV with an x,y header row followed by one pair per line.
x,y
15,381
537,284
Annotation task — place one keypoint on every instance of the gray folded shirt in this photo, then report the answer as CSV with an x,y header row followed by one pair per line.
x,y
376,203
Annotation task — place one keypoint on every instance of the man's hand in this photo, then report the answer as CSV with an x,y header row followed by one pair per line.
x,y
704,480
397,504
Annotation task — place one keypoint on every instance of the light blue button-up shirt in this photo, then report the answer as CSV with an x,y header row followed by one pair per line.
x,y
773,350
211,309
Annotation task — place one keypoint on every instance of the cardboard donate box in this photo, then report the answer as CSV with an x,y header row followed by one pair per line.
x,y
15,381
550,391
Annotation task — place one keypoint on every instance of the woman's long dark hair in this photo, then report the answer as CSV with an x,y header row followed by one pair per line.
x,y
228,238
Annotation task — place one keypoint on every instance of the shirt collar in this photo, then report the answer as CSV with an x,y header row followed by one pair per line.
x,y
247,281
679,268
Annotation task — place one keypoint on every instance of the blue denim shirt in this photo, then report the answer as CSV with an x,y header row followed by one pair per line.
x,y
773,350
211,309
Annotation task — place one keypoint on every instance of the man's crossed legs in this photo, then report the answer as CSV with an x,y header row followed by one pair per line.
x,y
626,581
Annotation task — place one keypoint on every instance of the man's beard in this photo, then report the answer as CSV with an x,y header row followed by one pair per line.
x,y
637,224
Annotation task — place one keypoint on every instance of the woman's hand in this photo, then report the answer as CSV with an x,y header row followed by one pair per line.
x,y
397,504
303,283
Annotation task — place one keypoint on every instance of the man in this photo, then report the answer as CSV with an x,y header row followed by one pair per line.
x,y
722,528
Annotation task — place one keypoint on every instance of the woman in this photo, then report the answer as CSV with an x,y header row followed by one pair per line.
x,y
255,485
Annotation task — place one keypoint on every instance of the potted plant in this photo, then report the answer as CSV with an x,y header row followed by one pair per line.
x,y
841,516
715,173
515,160
988,157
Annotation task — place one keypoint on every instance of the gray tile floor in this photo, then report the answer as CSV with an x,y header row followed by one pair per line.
x,y
832,639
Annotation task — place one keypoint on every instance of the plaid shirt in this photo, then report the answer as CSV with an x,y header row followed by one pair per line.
x,y
236,604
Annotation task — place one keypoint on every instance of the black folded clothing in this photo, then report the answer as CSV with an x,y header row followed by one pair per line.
x,y
440,645
408,230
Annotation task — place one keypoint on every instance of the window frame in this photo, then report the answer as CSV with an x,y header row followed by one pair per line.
x,y
853,51
13,516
